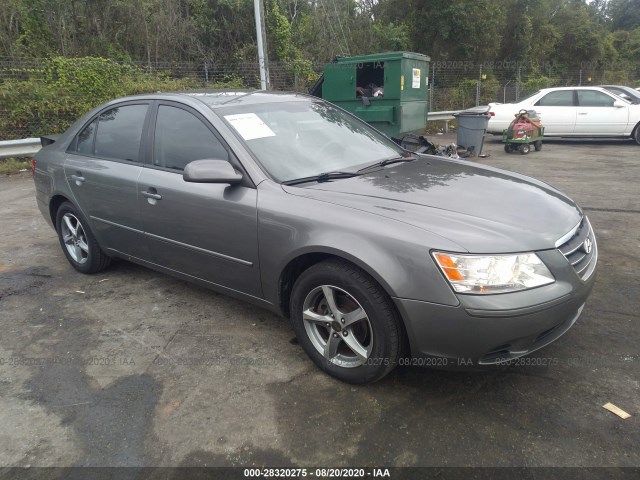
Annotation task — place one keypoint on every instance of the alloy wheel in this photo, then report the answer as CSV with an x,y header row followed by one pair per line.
x,y
75,238
337,326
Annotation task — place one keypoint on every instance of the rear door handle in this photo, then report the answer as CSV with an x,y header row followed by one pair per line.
x,y
583,113
79,179
152,195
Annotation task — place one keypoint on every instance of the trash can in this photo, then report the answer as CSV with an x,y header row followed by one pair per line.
x,y
472,128
388,90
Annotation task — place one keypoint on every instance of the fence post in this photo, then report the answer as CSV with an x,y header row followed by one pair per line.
x,y
518,83
479,87
206,72
433,86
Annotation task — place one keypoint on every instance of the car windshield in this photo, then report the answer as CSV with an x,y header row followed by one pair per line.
x,y
627,94
299,139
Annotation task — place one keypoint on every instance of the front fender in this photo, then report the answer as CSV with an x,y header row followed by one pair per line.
x,y
394,253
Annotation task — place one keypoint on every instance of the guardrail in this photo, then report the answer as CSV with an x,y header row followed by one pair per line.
x,y
445,116
30,146
19,148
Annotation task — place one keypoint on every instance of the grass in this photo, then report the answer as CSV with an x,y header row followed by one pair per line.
x,y
14,165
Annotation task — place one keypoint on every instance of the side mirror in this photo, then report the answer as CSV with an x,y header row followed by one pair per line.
x,y
619,104
211,171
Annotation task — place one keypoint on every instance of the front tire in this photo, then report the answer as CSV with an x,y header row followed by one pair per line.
x,y
636,134
345,322
524,148
77,241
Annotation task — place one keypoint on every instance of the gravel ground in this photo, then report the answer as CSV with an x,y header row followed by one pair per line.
x,y
135,368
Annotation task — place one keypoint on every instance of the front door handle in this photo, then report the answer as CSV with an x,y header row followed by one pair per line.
x,y
152,195
155,196
583,113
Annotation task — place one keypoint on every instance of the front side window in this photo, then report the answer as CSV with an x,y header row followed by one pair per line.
x,y
593,98
120,132
561,98
181,138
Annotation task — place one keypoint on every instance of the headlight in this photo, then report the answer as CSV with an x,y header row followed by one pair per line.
x,y
486,274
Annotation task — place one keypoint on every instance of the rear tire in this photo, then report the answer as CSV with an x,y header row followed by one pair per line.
x,y
636,134
508,148
345,322
538,145
524,148
77,241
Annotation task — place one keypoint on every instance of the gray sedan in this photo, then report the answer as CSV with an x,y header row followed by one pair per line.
x,y
377,256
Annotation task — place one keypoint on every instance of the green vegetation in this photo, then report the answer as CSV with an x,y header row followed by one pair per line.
x,y
566,33
85,51
13,165
48,98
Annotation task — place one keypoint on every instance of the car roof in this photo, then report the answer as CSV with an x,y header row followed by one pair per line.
x,y
572,88
218,98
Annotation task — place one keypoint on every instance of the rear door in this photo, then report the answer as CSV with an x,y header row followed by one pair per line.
x,y
205,230
557,111
598,116
102,167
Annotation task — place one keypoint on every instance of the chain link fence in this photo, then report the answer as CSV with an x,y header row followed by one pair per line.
x,y
458,85
29,106
40,97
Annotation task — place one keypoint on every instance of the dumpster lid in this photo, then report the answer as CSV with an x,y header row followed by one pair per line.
x,y
481,110
381,57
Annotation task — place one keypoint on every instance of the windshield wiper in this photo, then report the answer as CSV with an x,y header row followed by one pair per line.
x,y
323,177
387,161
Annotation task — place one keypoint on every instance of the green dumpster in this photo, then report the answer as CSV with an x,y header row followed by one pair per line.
x,y
387,90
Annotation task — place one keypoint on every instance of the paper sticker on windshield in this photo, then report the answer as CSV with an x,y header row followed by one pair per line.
x,y
249,126
416,78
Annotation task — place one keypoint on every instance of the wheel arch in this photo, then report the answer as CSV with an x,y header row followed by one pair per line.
x,y
54,205
635,133
304,260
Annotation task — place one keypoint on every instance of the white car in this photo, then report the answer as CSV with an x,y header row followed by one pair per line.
x,y
573,112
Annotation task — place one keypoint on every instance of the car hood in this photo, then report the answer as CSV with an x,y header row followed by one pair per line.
x,y
482,209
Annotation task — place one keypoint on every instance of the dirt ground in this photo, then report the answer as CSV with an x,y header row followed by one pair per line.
x,y
135,368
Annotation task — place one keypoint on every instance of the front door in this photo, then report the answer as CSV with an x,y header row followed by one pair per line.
x,y
598,116
205,230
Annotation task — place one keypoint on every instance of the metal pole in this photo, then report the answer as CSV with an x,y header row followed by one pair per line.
x,y
262,44
478,87
432,105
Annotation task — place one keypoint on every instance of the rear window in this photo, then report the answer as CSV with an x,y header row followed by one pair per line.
x,y
85,139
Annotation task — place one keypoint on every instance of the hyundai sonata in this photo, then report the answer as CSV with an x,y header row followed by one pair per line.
x,y
377,256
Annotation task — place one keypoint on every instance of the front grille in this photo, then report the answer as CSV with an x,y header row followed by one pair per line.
x,y
581,250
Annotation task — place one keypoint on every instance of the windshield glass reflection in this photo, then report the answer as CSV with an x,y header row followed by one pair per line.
x,y
302,139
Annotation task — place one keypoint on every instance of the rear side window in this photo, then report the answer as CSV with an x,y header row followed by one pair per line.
x,y
561,98
181,137
120,131
593,98
85,139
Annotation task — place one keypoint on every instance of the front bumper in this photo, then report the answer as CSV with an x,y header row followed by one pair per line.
x,y
492,328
